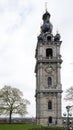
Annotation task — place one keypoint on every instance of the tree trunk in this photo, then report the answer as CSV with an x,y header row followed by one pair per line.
x,y
10,117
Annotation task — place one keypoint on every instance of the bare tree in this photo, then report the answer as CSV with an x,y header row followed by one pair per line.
x,y
69,94
12,102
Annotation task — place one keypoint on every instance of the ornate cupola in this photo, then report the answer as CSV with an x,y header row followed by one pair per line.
x,y
48,75
47,26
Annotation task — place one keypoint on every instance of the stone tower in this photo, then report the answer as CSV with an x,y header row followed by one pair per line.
x,y
48,76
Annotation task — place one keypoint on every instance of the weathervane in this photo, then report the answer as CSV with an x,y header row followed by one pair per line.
x,y
57,31
46,6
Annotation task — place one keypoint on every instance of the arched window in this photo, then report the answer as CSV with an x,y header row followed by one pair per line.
x,y
48,38
49,81
50,120
50,105
49,53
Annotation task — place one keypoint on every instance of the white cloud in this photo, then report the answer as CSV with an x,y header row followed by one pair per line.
x,y
19,26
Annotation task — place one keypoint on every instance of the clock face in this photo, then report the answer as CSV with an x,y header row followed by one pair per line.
x,y
48,69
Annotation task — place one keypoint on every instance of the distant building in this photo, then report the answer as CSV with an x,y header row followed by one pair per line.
x,y
18,120
48,75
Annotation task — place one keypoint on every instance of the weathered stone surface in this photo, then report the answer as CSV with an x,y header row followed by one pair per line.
x,y
48,67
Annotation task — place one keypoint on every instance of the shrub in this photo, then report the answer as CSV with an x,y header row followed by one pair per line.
x,y
47,128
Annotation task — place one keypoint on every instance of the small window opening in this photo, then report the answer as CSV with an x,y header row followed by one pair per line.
x,y
49,105
49,38
49,53
50,120
49,81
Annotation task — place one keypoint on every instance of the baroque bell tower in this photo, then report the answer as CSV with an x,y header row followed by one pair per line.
x,y
48,75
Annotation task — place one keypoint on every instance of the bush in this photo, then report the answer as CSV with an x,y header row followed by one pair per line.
x,y
47,128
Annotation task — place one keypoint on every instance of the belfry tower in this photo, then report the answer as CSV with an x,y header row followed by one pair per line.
x,y
48,76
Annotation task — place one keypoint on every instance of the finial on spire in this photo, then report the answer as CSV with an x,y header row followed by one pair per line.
x,y
57,31
46,6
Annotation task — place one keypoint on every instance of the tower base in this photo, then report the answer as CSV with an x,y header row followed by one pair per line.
x,y
45,122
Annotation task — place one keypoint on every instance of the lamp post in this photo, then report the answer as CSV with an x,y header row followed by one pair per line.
x,y
68,121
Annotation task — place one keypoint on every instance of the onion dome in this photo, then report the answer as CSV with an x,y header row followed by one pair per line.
x,y
46,15
57,37
47,26
40,37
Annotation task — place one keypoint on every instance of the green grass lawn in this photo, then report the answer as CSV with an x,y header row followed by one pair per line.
x,y
27,127
17,126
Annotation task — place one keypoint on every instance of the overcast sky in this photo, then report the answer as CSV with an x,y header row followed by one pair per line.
x,y
20,22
